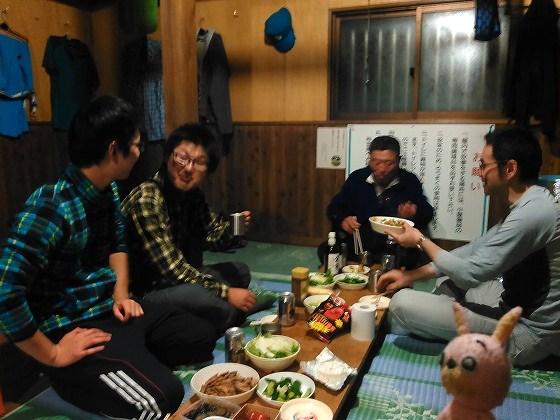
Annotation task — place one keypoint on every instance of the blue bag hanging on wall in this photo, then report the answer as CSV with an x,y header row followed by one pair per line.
x,y
487,20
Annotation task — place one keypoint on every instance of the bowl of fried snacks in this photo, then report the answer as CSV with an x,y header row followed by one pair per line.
x,y
232,382
386,225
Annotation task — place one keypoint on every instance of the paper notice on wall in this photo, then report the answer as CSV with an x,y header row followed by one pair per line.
x,y
331,147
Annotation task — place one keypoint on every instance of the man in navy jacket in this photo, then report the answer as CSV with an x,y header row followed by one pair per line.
x,y
379,189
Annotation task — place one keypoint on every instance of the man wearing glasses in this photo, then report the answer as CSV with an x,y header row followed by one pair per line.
x,y
64,297
515,263
379,189
170,225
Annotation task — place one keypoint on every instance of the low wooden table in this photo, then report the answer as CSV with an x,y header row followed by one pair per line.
x,y
353,352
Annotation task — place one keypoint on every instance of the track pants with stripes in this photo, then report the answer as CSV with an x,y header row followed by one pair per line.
x,y
132,378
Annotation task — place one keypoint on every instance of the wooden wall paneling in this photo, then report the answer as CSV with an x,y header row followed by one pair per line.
x,y
105,48
26,163
178,39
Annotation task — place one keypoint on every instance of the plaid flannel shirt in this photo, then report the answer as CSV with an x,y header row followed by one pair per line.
x,y
54,268
162,225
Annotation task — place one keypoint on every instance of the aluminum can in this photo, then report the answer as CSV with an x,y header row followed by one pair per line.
x,y
237,224
287,309
235,345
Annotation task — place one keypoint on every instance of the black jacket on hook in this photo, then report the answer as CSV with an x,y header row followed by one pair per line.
x,y
532,81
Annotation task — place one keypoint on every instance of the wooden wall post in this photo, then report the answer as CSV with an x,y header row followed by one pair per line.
x,y
178,39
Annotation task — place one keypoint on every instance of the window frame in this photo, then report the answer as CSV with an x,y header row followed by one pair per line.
x,y
417,10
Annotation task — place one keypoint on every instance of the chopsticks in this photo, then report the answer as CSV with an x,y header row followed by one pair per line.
x,y
358,248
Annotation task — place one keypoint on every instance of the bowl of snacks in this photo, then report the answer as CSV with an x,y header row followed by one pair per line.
x,y
350,281
356,269
311,302
272,353
277,388
232,382
325,280
305,408
386,225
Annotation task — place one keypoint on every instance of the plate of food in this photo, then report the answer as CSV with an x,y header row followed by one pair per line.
x,y
324,280
356,268
386,225
232,382
279,387
382,302
272,352
350,281
305,408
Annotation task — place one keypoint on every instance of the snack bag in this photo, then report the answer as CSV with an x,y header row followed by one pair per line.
x,y
329,318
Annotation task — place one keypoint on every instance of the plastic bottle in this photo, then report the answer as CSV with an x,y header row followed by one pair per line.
x,y
333,255
300,284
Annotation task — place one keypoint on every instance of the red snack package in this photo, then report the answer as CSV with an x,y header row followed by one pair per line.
x,y
329,318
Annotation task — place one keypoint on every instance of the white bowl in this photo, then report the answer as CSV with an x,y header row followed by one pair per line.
x,y
355,268
305,406
270,364
324,285
307,386
382,302
202,376
379,225
351,286
311,302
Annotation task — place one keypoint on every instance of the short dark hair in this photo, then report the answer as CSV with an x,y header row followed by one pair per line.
x,y
98,123
198,134
385,143
519,144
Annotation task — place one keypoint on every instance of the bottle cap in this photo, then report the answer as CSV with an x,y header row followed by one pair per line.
x,y
300,272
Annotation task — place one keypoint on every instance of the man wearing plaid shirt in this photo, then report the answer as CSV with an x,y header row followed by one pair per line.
x,y
64,283
170,224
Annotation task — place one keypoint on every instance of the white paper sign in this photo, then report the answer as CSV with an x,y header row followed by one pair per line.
x,y
445,158
331,147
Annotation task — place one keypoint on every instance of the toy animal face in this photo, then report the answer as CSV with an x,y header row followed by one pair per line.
x,y
476,370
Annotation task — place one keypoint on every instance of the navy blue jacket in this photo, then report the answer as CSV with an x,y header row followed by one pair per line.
x,y
358,198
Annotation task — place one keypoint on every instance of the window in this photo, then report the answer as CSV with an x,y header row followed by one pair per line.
x,y
416,63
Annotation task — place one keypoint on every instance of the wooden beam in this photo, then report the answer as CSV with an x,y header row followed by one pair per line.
x,y
178,39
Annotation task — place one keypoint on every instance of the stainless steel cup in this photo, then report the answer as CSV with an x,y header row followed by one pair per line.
x,y
237,224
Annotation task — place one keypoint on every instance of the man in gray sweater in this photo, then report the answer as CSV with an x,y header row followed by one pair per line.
x,y
515,263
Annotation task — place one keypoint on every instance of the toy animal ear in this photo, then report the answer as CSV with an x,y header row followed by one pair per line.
x,y
462,326
506,324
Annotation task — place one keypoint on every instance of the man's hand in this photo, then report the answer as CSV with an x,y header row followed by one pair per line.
x,y
241,299
407,210
350,224
409,238
246,217
77,344
124,309
393,281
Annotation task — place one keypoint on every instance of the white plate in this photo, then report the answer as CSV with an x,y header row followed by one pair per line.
x,y
324,285
307,386
202,376
353,268
382,303
304,407
351,286
378,226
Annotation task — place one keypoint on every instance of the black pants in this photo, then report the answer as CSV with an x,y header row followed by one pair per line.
x,y
132,377
206,303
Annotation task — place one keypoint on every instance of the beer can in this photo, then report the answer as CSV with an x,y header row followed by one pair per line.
x,y
235,345
287,309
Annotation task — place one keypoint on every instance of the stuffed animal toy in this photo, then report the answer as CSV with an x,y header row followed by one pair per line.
x,y
476,369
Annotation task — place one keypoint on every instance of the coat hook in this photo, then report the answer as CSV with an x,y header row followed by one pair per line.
x,y
236,13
